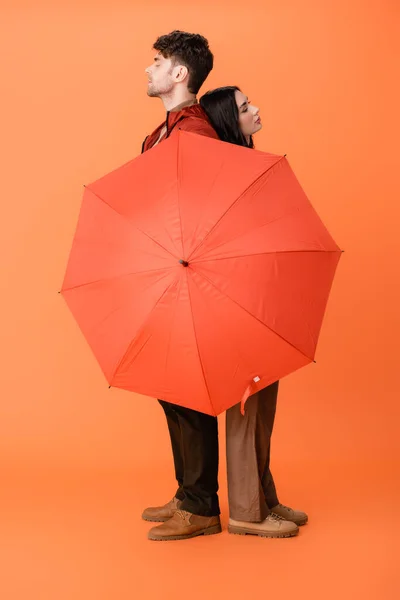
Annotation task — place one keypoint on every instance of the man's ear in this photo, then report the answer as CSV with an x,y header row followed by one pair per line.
x,y
181,73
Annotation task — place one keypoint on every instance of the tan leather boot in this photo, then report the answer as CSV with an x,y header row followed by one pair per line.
x,y
272,527
184,525
161,513
296,516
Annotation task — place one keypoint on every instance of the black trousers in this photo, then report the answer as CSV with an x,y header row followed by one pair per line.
x,y
194,440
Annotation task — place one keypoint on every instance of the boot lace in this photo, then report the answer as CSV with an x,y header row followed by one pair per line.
x,y
184,514
275,517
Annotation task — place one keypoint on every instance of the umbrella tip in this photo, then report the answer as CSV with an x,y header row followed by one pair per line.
x,y
342,250
109,387
59,292
315,362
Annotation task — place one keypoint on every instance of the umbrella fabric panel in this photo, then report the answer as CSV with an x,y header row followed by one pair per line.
x,y
288,292
145,192
211,176
272,215
108,245
234,346
163,359
111,314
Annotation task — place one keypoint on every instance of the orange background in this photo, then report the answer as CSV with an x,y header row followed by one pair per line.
x,y
79,461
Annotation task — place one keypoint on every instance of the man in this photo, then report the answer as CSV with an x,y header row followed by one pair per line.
x,y
181,65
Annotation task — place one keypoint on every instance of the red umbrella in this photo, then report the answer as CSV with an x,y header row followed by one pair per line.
x,y
200,272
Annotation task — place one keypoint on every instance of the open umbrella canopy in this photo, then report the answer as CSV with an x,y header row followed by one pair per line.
x,y
200,272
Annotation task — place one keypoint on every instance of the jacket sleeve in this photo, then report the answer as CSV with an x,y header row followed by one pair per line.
x,y
195,125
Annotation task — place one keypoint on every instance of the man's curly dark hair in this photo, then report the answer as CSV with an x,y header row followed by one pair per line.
x,y
190,50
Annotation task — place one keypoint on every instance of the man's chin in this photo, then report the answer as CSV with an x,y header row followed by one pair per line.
x,y
152,93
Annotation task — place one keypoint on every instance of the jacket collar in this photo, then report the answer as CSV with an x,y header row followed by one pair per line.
x,y
175,114
183,105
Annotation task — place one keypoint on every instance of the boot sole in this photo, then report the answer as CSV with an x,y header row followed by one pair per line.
x,y
208,531
267,534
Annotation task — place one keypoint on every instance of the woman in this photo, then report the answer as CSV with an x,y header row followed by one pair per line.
x,y
254,507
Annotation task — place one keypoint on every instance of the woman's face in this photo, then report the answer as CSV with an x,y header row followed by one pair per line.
x,y
249,119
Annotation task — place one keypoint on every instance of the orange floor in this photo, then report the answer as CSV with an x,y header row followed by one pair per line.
x,y
78,535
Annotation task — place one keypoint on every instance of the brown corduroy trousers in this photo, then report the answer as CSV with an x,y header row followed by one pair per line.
x,y
251,488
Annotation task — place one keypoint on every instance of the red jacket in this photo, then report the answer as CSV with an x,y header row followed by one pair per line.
x,y
189,118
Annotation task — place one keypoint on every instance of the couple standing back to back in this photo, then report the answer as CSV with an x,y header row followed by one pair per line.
x,y
181,65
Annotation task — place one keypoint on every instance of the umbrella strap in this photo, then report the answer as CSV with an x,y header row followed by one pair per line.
x,y
250,390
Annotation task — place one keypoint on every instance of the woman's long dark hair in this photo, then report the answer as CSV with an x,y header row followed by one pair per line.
x,y
221,108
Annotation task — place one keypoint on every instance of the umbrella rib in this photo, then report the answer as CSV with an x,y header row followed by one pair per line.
x,y
238,352
243,234
106,279
124,304
140,330
198,349
253,183
178,169
172,325
204,260
253,316
210,189
131,222
267,224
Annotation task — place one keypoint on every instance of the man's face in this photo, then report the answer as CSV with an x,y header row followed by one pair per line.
x,y
160,76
